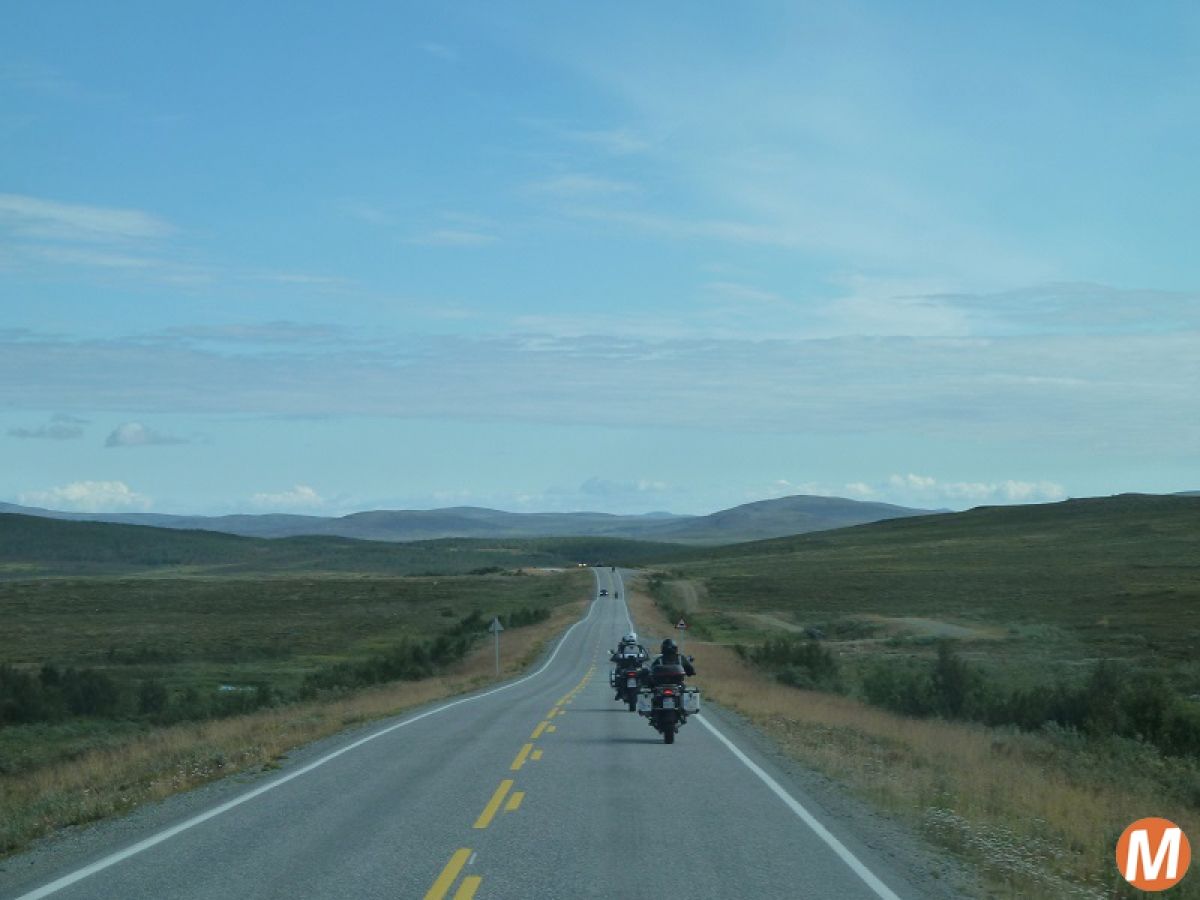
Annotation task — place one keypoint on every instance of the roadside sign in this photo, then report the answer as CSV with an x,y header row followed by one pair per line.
x,y
495,628
681,625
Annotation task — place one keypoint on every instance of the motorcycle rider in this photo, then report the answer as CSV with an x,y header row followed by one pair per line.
x,y
628,655
669,667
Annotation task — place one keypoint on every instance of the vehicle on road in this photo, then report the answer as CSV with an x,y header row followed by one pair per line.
x,y
603,592
626,679
667,702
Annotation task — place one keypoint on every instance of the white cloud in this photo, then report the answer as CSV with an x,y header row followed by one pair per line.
x,y
135,434
929,489
88,496
301,496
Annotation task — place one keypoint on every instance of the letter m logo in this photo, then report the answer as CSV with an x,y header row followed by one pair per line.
x,y
1153,854
1139,855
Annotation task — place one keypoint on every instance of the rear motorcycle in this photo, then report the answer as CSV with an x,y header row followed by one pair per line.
x,y
667,707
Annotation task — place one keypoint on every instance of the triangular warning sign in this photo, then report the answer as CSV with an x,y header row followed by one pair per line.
x,y
681,624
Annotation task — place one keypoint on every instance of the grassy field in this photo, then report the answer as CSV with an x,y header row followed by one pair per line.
x,y
1117,577
236,671
1092,603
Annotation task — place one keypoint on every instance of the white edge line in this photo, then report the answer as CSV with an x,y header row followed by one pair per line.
x,y
881,889
855,864
114,858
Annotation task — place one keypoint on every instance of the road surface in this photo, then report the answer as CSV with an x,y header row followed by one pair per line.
x,y
543,788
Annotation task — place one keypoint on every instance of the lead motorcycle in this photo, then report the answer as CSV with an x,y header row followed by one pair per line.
x,y
668,703
625,679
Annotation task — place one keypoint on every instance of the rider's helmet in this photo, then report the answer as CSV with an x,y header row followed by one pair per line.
x,y
669,648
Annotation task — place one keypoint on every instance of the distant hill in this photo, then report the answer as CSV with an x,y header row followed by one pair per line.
x,y
39,546
752,521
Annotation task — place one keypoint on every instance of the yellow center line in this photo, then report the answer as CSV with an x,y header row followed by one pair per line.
x,y
489,811
537,732
467,889
520,760
551,728
537,754
514,801
443,882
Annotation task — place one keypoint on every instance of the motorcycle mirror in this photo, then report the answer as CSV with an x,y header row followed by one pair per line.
x,y
691,659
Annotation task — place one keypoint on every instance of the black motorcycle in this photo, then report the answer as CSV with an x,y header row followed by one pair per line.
x,y
625,680
667,705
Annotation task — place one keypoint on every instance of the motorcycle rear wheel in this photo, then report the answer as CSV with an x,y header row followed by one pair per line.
x,y
669,734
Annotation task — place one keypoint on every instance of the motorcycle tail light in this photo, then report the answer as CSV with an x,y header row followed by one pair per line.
x,y
669,693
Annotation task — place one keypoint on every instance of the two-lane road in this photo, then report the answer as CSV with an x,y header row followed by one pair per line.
x,y
543,788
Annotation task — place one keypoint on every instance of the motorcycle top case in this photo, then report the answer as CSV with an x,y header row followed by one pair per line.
x,y
668,674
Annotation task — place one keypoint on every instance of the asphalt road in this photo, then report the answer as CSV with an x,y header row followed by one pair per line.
x,y
544,788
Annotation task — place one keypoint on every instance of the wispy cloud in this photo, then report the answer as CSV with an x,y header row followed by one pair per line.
x,y
135,434
33,217
60,428
440,51
293,333
578,184
88,496
1132,393
452,237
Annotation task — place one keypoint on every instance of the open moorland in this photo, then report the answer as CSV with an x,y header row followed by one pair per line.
x,y
115,689
1020,682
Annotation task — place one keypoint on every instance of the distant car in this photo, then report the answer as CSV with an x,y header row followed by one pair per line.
x,y
603,592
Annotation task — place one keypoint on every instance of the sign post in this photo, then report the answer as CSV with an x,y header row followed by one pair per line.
x,y
681,626
495,628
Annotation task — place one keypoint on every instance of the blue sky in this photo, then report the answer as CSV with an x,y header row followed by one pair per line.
x,y
624,257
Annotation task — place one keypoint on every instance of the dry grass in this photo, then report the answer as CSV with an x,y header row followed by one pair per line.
x,y
104,783
1036,819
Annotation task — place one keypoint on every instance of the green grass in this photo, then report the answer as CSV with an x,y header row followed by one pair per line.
x,y
1116,577
199,634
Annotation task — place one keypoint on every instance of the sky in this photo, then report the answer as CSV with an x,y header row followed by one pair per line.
x,y
623,257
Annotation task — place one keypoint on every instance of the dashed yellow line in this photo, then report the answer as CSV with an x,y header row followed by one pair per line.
x,y
537,754
537,732
489,811
449,873
551,728
521,755
514,801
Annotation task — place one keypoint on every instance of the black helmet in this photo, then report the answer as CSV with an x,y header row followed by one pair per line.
x,y
669,648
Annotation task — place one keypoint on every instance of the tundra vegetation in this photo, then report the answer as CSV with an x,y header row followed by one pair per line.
x,y
115,690
1021,683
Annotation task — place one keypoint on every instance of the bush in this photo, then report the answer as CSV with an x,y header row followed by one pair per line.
x,y
796,662
1112,701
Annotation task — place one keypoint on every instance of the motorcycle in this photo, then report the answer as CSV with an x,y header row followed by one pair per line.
x,y
625,680
667,707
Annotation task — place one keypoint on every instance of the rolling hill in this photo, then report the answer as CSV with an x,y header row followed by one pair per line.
x,y
752,521
32,546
